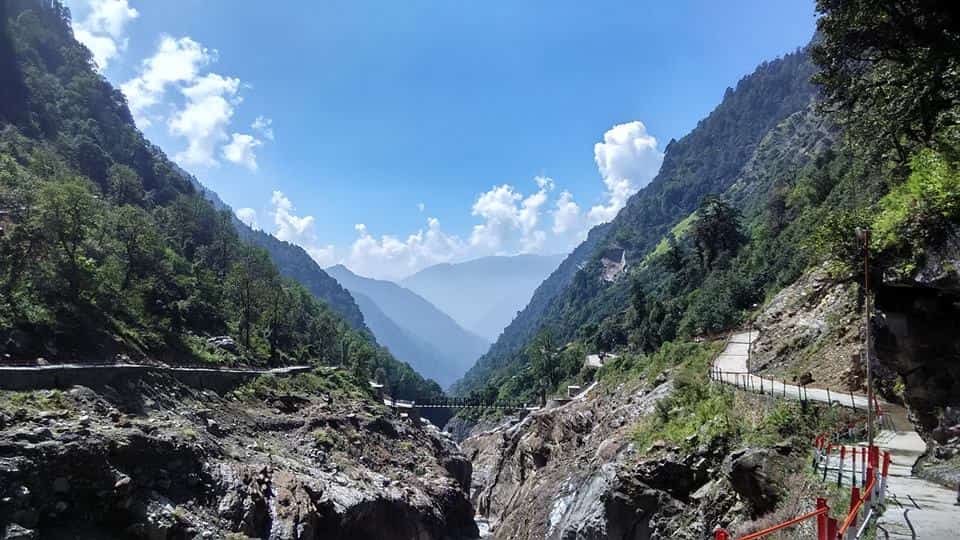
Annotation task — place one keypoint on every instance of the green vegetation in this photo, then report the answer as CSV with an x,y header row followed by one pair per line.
x,y
322,439
700,412
918,211
109,248
334,383
40,400
773,182
696,412
890,71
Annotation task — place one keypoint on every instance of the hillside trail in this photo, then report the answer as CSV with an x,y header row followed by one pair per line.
x,y
928,507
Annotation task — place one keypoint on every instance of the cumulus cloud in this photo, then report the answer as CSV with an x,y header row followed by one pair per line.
x,y
248,216
103,29
175,61
204,119
566,214
509,217
263,126
240,150
628,159
202,104
390,257
298,230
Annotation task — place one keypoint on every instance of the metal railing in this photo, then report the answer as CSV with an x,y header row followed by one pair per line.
x,y
865,497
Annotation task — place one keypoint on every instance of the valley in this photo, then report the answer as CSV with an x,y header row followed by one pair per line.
x,y
704,350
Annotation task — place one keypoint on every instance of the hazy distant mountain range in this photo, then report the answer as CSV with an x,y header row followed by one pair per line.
x,y
414,330
484,294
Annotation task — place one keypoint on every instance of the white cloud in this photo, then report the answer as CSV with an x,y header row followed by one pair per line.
x,y
248,216
509,218
203,105
176,61
102,30
389,257
240,150
263,126
566,214
204,119
627,159
299,230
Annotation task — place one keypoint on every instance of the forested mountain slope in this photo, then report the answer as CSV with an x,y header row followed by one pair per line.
x,y
505,352
295,263
108,249
427,331
706,161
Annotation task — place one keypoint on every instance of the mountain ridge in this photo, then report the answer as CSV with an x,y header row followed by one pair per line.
x,y
485,294
705,161
419,319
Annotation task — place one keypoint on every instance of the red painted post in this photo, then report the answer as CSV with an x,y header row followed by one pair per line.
x,y
721,534
832,529
822,519
843,455
854,499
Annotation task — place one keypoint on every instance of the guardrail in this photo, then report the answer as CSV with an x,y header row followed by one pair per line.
x,y
865,497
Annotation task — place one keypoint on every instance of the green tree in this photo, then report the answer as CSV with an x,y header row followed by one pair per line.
x,y
716,232
248,286
136,233
889,68
68,214
544,364
125,185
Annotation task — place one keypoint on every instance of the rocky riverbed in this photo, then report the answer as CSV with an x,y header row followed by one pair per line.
x,y
157,460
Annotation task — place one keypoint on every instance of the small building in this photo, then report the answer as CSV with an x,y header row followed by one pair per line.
x,y
574,390
377,389
598,360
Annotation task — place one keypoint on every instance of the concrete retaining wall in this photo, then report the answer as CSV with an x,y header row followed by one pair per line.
x,y
33,378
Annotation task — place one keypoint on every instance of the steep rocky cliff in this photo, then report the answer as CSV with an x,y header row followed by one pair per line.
x,y
583,471
279,459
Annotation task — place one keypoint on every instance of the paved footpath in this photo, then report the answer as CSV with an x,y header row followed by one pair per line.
x,y
930,508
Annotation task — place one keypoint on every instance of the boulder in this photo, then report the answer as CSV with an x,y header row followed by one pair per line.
x,y
224,343
16,532
752,474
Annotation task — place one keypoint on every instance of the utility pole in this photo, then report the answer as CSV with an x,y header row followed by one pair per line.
x,y
864,236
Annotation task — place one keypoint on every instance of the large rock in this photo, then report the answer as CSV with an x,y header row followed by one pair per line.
x,y
754,475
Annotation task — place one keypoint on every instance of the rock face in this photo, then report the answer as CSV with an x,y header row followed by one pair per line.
x,y
573,473
164,461
752,474
811,332
917,324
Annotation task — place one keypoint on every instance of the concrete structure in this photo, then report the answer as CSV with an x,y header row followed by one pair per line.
x,y
94,375
598,360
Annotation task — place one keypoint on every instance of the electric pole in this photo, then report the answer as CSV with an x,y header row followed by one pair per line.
x,y
864,236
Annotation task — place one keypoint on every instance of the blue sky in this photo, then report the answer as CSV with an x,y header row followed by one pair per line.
x,y
394,135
